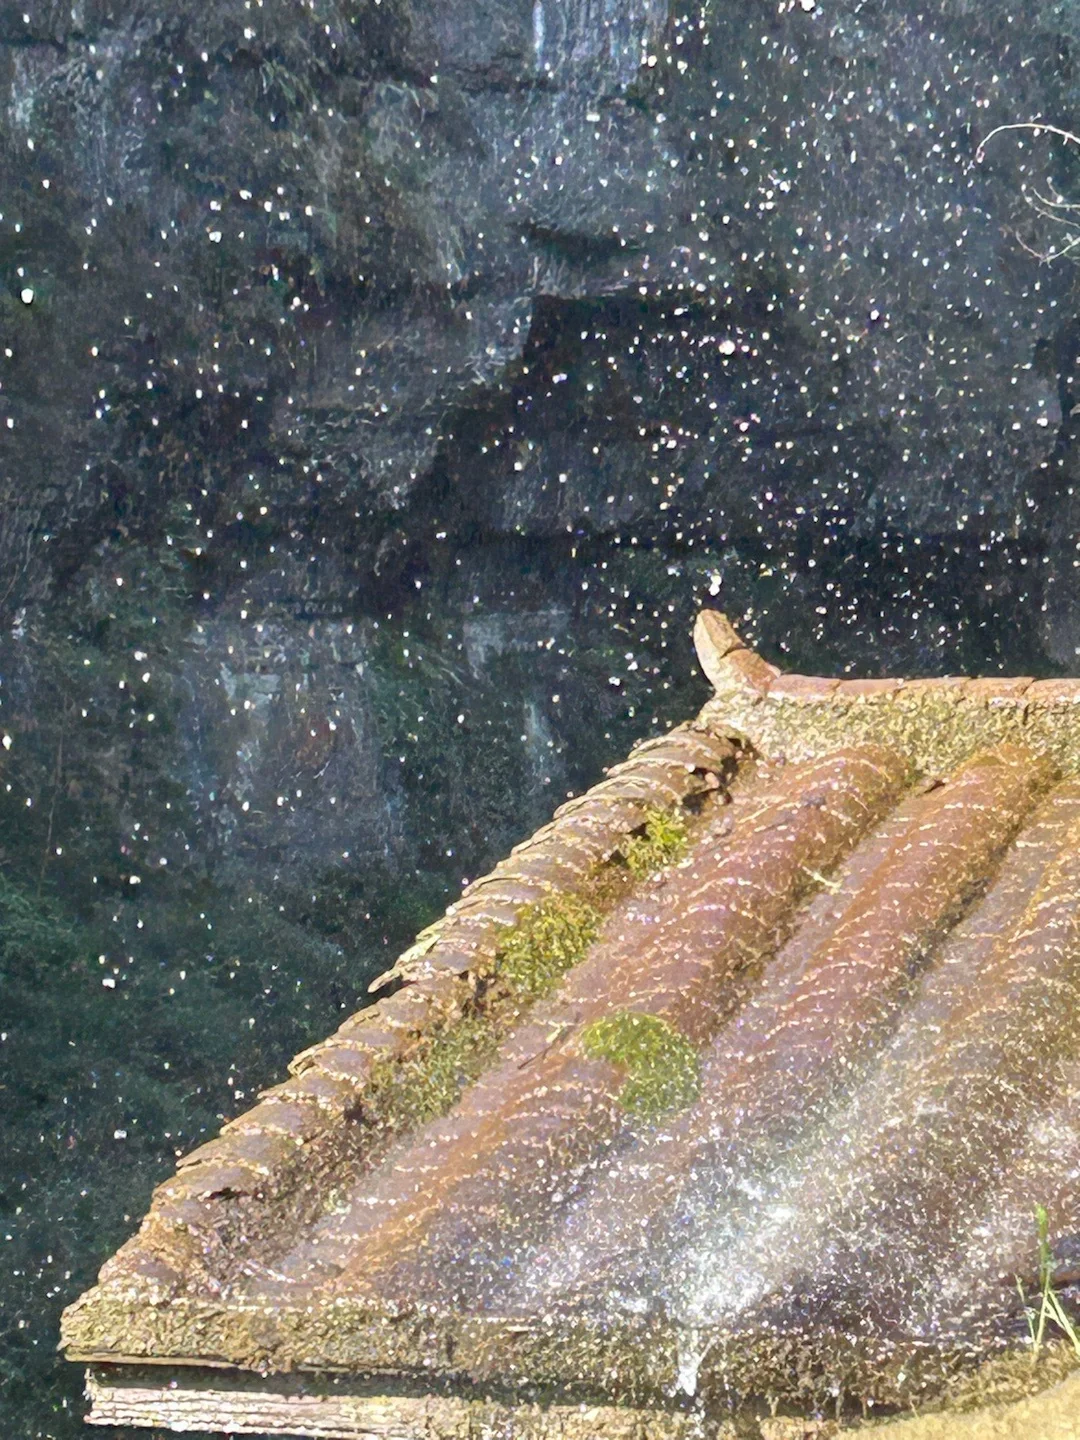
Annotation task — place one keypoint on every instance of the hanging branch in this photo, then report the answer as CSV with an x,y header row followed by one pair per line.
x,y
1044,206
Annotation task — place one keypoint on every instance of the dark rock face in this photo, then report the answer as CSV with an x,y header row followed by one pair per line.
x,y
401,375
528,271
438,309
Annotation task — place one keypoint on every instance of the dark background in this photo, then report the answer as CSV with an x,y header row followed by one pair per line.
x,y
383,387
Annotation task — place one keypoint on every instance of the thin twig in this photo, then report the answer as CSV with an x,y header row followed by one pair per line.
x,y
1046,256
1043,206
1059,204
1037,125
58,776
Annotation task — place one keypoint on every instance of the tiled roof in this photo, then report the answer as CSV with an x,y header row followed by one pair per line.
x,y
742,1077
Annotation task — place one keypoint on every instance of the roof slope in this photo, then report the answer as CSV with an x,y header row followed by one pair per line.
x,y
744,1074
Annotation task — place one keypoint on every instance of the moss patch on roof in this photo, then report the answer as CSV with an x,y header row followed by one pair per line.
x,y
547,939
663,1069
662,842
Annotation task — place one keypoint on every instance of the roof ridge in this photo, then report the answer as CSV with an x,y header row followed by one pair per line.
x,y
937,721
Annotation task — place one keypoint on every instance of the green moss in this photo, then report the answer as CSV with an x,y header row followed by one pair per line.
x,y
662,842
663,1071
936,730
549,938
406,1093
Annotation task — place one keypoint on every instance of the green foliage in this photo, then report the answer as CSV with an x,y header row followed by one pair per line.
x,y
129,1031
33,931
1049,1309
663,1071
358,910
662,842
